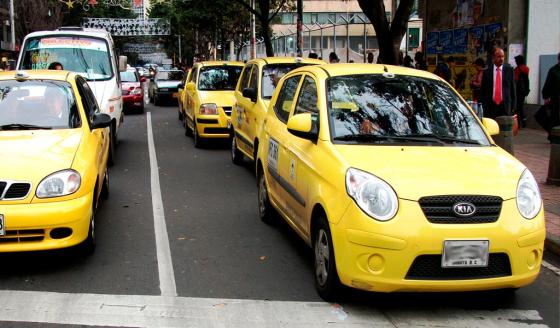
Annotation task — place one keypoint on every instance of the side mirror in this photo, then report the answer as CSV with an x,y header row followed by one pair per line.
x,y
181,85
491,126
302,125
190,86
101,120
122,63
142,79
250,93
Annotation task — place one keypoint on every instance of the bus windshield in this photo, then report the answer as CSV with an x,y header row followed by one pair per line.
x,y
86,56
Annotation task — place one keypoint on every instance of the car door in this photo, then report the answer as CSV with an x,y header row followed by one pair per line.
x,y
242,103
189,97
250,110
303,152
279,159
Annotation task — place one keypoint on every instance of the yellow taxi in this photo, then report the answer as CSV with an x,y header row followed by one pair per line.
x,y
209,99
396,184
252,97
181,96
54,148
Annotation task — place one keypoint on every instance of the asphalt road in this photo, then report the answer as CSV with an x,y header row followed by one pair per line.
x,y
221,250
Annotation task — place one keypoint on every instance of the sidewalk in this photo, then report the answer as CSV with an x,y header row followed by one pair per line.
x,y
532,148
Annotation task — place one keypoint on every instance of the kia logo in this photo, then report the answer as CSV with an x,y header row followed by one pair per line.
x,y
464,209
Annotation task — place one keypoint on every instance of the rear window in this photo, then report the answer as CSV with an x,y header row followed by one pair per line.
x,y
170,76
215,78
32,105
129,76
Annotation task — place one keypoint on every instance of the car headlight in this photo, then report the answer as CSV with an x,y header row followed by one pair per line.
x,y
208,109
59,184
136,91
374,196
528,196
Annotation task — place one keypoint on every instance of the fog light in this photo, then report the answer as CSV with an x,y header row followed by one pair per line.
x,y
532,259
376,263
59,233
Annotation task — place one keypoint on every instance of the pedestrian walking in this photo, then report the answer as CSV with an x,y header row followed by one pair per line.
x,y
498,87
476,80
551,93
408,62
313,55
442,68
521,73
419,62
370,57
333,58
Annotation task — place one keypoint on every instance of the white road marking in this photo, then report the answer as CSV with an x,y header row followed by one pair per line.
x,y
162,311
165,264
551,267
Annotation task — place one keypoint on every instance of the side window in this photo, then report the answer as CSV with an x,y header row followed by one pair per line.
x,y
286,97
86,101
244,78
195,75
192,74
307,99
254,82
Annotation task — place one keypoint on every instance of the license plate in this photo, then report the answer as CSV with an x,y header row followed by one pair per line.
x,y
465,253
2,228
163,89
174,94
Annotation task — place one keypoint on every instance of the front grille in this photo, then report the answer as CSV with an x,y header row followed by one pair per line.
x,y
23,236
216,130
17,190
206,121
428,267
227,110
439,209
2,186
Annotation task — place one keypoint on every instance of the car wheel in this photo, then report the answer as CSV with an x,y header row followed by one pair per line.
x,y
236,155
188,131
266,212
87,247
197,139
156,99
111,159
180,114
105,186
326,277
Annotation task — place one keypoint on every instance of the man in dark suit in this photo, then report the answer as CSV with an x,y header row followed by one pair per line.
x,y
498,87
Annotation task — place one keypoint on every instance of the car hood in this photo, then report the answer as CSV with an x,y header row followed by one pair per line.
x,y
167,84
220,98
414,172
33,154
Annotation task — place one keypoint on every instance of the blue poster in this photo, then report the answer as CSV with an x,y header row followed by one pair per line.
x,y
477,40
446,41
433,39
460,40
492,28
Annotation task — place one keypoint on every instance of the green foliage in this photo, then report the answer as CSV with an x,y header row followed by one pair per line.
x,y
73,16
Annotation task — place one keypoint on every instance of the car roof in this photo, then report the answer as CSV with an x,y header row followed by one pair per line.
x,y
360,69
285,60
220,63
57,75
100,33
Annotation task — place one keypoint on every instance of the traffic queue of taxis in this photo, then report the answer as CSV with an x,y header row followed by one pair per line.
x,y
383,171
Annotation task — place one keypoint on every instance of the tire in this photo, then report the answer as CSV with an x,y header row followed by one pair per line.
x,y
196,137
236,155
87,247
188,131
156,100
111,158
327,282
105,186
266,212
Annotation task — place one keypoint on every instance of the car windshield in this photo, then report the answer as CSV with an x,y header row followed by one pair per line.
x,y
272,74
169,76
33,105
378,108
215,78
128,76
84,55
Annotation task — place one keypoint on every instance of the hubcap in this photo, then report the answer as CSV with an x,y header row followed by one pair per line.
x,y
322,260
233,147
262,195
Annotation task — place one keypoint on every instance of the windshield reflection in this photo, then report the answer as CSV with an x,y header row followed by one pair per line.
x,y
399,106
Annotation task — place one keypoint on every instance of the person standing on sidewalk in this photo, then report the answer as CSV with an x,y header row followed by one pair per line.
x,y
551,92
521,88
498,87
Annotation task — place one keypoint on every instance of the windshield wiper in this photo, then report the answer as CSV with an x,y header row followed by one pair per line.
x,y
19,126
375,137
448,139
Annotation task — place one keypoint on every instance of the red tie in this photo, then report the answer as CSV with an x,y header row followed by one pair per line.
x,y
498,87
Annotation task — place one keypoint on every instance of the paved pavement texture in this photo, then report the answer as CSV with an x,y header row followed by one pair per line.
x,y
533,149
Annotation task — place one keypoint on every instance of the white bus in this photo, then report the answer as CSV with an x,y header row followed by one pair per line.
x,y
90,53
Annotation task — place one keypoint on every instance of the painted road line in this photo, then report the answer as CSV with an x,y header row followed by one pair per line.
x,y
165,264
162,311
551,267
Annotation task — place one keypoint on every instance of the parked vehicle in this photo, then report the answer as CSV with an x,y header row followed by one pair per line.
x,y
164,85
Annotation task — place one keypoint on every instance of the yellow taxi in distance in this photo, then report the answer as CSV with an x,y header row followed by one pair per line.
x,y
209,99
252,97
396,184
182,94
54,145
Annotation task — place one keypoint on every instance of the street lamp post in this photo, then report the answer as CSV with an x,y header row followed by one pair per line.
x,y
365,36
309,31
334,34
321,29
347,21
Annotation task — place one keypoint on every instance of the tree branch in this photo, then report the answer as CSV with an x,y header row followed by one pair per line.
x,y
280,6
244,4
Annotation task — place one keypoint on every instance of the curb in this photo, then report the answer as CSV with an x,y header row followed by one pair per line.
x,y
552,244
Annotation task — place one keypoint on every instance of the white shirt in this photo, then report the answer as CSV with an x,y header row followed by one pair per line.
x,y
494,81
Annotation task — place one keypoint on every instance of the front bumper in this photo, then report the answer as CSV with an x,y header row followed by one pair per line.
x,y
378,256
213,126
31,227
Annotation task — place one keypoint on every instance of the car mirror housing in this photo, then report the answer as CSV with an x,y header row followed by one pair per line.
x,y
142,79
303,126
101,120
491,126
190,86
250,93
181,85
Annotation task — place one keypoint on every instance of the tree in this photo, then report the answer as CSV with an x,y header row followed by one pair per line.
x,y
264,16
36,15
389,36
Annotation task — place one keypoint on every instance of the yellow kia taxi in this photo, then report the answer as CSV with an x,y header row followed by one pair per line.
x,y
209,99
54,148
396,185
252,97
